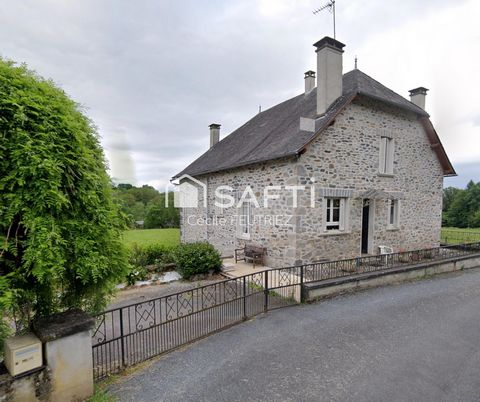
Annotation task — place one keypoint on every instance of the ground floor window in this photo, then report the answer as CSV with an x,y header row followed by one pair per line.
x,y
244,218
393,214
335,214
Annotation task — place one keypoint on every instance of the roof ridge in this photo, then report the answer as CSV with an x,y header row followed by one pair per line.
x,y
387,88
275,132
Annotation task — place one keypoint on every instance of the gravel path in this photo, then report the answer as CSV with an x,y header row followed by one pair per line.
x,y
138,294
413,342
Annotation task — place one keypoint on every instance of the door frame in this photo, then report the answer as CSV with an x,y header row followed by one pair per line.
x,y
371,225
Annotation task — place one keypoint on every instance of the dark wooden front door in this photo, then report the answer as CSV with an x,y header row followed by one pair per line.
x,y
365,225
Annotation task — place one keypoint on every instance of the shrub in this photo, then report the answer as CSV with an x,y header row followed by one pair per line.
x,y
196,258
158,254
59,227
153,254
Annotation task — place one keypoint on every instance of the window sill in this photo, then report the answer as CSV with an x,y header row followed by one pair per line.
x,y
393,229
335,233
386,175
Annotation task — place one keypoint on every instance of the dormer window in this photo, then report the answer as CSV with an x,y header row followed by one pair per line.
x,y
386,155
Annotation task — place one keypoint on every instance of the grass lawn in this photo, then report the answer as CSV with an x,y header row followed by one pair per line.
x,y
460,235
143,237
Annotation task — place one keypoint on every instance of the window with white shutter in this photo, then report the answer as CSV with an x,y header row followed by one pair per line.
x,y
387,149
393,214
244,217
335,214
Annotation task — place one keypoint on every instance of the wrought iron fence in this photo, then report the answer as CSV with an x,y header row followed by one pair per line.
x,y
128,335
459,237
336,269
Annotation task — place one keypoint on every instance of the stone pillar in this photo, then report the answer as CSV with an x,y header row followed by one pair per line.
x,y
67,347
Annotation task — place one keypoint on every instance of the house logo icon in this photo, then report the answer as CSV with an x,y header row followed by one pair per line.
x,y
190,192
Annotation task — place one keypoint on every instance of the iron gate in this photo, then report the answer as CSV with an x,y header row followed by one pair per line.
x,y
129,335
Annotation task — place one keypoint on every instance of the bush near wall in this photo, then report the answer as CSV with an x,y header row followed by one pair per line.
x,y
189,259
197,258
156,255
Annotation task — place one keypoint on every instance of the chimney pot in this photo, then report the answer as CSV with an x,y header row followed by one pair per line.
x,y
309,81
330,72
214,134
418,95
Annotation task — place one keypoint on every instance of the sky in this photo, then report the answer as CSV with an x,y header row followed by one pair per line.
x,y
153,74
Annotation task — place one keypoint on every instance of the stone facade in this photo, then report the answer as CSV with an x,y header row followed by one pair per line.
x,y
343,161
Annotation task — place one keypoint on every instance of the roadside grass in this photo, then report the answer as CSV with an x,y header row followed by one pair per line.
x,y
101,395
460,235
144,237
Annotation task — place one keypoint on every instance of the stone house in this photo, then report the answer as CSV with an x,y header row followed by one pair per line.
x,y
349,166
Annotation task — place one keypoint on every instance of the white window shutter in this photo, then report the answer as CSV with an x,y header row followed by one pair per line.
x,y
398,213
383,151
324,213
342,213
390,155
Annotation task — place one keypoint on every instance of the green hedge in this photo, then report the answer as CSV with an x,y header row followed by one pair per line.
x,y
196,258
190,259
153,254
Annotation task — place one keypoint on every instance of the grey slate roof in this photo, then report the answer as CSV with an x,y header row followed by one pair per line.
x,y
275,133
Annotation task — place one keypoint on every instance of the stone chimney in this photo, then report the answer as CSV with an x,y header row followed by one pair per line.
x,y
214,134
418,95
330,72
309,81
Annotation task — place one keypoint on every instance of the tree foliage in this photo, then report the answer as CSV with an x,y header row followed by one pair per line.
x,y
461,208
148,205
59,227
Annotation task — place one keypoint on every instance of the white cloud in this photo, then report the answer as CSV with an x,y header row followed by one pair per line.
x,y
441,52
153,75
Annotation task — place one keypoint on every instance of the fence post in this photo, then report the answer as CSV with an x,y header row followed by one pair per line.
x,y
265,305
244,298
122,339
302,280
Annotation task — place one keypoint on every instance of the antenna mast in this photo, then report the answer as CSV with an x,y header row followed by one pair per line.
x,y
331,7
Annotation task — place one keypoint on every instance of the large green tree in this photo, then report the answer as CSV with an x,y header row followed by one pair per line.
x,y
461,208
59,228
146,204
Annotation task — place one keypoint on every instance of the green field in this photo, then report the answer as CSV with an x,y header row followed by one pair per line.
x,y
460,235
171,237
143,237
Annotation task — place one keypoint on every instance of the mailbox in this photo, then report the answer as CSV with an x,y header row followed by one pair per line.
x,y
22,353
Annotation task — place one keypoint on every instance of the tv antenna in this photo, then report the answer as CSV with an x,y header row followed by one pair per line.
x,y
330,6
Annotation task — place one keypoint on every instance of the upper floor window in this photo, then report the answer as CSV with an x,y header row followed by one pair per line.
x,y
387,146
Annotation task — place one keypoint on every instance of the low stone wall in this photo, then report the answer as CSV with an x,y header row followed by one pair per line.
x,y
329,288
67,374
30,387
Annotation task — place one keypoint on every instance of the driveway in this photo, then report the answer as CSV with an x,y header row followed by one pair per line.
x,y
413,342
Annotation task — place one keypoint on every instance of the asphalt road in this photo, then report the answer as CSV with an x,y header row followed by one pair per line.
x,y
413,342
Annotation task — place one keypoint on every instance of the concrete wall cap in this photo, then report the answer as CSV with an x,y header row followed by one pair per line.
x,y
62,325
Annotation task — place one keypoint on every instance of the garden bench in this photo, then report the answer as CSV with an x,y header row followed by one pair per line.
x,y
255,254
